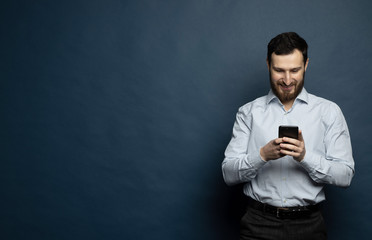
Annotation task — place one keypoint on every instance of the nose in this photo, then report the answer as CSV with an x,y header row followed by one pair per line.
x,y
287,78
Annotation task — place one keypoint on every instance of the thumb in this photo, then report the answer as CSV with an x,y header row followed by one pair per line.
x,y
300,137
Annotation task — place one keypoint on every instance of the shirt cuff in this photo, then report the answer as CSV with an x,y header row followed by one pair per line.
x,y
310,163
255,160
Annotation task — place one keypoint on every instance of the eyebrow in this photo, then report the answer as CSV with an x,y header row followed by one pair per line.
x,y
281,69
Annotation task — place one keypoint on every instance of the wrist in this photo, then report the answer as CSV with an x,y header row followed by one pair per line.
x,y
300,158
262,155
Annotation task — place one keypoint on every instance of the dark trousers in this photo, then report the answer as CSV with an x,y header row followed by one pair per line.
x,y
256,224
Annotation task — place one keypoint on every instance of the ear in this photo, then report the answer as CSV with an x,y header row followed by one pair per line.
x,y
307,63
268,65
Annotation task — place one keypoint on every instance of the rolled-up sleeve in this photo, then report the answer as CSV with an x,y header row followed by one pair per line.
x,y
239,165
336,167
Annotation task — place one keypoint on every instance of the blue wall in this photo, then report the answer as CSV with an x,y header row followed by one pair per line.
x,y
115,114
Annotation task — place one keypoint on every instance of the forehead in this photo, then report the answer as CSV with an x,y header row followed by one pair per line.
x,y
292,60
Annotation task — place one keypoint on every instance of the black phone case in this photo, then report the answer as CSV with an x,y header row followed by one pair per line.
x,y
288,131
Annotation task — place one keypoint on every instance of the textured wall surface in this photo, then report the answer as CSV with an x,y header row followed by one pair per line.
x,y
114,115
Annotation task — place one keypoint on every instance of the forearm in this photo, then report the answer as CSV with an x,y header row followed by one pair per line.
x,y
329,171
240,169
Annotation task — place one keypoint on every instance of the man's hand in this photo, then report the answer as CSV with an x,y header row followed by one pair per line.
x,y
272,150
293,147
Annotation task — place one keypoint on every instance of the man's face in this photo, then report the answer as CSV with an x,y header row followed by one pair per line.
x,y
287,73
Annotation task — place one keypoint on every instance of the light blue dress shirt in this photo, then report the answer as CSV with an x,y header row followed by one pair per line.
x,y
285,182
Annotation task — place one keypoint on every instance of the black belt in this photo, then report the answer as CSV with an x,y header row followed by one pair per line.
x,y
284,212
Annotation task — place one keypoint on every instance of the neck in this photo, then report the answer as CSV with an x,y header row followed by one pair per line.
x,y
288,105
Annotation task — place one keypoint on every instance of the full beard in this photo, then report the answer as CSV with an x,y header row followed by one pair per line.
x,y
284,96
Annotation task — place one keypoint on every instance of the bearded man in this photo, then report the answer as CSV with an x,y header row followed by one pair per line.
x,y
284,177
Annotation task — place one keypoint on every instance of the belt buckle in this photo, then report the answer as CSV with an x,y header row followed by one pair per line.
x,y
278,211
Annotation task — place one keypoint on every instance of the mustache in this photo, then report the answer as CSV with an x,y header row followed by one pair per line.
x,y
282,83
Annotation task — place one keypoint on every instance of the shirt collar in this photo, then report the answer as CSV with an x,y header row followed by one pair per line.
x,y
303,96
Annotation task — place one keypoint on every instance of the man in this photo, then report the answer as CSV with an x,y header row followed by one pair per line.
x,y
284,177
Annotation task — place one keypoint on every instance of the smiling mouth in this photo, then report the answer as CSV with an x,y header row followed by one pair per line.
x,y
286,88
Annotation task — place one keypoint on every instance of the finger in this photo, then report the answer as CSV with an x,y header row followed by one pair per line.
x,y
291,141
289,153
300,137
290,147
278,141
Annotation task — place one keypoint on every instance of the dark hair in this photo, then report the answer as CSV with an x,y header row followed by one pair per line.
x,y
286,43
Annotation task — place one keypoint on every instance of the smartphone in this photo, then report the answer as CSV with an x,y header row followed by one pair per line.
x,y
288,131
